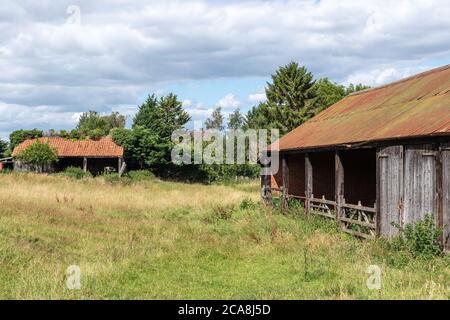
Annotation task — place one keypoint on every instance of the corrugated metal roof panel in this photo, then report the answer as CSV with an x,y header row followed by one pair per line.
x,y
413,107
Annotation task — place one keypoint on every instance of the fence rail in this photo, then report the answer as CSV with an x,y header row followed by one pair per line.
x,y
354,219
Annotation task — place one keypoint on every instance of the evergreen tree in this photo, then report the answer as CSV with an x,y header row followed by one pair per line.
x,y
149,143
290,97
162,116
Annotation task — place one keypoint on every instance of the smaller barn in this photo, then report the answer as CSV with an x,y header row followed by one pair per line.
x,y
94,156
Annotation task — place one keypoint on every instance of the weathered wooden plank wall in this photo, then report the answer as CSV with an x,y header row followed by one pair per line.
x,y
420,182
446,193
390,189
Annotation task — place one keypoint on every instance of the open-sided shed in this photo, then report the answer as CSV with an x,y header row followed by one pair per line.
x,y
92,155
376,158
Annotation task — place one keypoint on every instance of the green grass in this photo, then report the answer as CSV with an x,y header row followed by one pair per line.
x,y
161,240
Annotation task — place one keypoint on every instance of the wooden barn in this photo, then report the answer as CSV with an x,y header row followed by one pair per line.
x,y
377,157
95,156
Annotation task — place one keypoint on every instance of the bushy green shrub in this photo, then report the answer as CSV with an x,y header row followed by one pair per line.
x,y
75,173
420,239
18,136
38,153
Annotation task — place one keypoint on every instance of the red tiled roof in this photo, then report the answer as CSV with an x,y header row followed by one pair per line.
x,y
104,147
417,106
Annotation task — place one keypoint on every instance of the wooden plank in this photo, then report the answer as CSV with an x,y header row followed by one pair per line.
x,y
358,234
390,189
308,181
439,192
296,197
324,201
85,164
356,207
420,182
339,184
323,214
445,159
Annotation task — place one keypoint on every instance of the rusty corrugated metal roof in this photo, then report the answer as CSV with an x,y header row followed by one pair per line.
x,y
104,147
417,106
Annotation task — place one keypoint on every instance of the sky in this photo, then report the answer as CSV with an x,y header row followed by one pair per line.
x,y
61,58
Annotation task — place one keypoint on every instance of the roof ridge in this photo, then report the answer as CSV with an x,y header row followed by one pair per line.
x,y
415,76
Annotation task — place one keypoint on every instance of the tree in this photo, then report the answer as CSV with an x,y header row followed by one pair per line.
x,y
355,88
236,120
327,94
259,117
149,143
216,120
3,148
94,125
140,145
163,116
38,153
290,96
19,136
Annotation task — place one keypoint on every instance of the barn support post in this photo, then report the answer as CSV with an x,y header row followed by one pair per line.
x,y
119,163
285,173
85,162
339,185
439,195
266,192
308,182
445,167
377,191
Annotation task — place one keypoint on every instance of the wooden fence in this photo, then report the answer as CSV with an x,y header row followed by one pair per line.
x,y
357,220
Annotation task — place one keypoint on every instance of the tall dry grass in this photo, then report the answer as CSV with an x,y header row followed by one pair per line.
x,y
171,240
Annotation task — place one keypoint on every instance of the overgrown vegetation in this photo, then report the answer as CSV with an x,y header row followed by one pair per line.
x,y
75,173
420,239
18,136
162,240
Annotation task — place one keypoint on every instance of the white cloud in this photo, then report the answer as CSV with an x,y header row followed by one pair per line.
x,y
187,103
257,97
230,101
379,77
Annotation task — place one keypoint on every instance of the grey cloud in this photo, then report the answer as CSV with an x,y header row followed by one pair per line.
x,y
125,49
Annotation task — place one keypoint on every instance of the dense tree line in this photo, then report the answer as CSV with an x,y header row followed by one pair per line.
x,y
293,97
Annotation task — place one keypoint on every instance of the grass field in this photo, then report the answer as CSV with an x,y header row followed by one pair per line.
x,y
161,240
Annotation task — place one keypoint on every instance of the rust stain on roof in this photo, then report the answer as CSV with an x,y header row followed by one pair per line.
x,y
104,147
417,106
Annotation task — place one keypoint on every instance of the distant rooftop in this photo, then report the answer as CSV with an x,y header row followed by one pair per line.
x,y
104,147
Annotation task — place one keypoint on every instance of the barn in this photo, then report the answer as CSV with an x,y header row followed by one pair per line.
x,y
94,156
376,158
